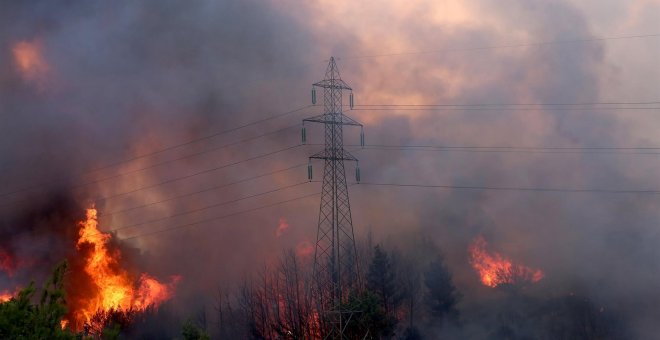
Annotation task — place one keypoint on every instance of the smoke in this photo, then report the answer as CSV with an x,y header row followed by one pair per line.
x,y
111,82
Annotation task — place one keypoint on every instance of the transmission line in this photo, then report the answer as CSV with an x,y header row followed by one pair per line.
x,y
223,216
169,148
642,150
155,165
503,46
513,149
248,179
512,104
215,205
176,179
185,176
524,109
409,185
524,189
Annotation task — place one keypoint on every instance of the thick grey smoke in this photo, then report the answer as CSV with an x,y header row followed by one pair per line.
x,y
112,82
125,80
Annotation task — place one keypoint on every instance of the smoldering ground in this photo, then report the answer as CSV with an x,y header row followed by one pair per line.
x,y
125,80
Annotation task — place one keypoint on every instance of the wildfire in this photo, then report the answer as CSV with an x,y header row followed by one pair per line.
x,y
7,263
282,227
304,249
494,269
114,288
29,59
5,296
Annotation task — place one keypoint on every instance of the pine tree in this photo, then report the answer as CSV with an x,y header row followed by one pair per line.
x,y
20,318
442,296
380,279
381,282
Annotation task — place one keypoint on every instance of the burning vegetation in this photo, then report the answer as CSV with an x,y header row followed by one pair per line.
x,y
30,61
495,270
101,287
405,289
112,287
5,296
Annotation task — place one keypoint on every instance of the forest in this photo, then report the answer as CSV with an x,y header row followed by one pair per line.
x,y
399,295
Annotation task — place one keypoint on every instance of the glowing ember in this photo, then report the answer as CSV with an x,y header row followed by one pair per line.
x,y
5,296
282,227
304,249
495,270
7,263
114,287
29,59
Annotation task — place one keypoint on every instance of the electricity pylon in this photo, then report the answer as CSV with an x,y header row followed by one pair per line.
x,y
335,263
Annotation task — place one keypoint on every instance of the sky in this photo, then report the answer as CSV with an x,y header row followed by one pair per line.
x,y
85,86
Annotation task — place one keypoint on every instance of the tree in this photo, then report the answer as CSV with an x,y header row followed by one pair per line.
x,y
369,318
442,296
381,280
410,283
190,331
411,333
20,318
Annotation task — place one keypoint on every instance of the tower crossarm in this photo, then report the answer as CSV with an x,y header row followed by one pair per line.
x,y
335,155
337,84
330,118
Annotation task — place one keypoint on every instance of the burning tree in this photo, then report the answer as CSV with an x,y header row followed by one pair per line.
x,y
278,305
20,318
105,290
494,269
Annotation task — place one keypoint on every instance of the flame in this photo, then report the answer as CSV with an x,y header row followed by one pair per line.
x,y
5,296
29,60
7,263
494,269
304,249
282,227
114,287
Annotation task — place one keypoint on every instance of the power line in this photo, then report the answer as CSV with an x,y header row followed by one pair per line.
x,y
210,188
500,149
187,176
511,149
192,141
492,47
451,187
201,191
223,216
122,174
201,172
208,207
528,189
510,104
169,148
525,109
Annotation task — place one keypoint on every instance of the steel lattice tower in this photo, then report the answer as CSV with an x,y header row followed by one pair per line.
x,y
335,263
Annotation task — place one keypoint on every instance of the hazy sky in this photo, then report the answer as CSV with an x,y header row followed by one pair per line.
x,y
84,85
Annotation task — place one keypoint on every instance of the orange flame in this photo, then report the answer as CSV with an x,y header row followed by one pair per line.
x,y
494,269
115,288
29,60
282,227
304,249
7,263
5,296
